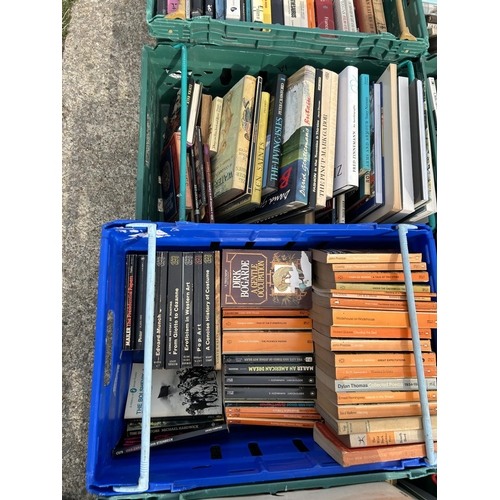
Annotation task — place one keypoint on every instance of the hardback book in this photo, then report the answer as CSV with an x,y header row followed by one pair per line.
x,y
251,195
197,306
295,13
268,403
176,9
277,12
390,146
187,310
193,108
314,178
367,345
168,194
418,143
274,137
352,23
160,310
331,256
293,358
340,15
204,116
282,422
259,369
191,167
284,342
355,426
323,10
346,174
184,393
372,276
130,288
329,127
214,124
270,392
282,379
208,301
174,297
379,14
140,302
199,180
266,278
347,457
210,210
230,163
365,16
371,317
266,323
355,199
374,332
293,181
233,10
364,122
264,312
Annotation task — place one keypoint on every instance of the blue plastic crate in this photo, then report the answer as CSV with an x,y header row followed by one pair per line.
x,y
223,459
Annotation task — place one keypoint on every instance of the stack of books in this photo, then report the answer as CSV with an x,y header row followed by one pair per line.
x,y
267,347
366,375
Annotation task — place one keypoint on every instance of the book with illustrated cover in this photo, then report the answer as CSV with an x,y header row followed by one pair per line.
x,y
187,310
160,310
174,294
176,393
266,278
130,287
208,305
297,141
230,163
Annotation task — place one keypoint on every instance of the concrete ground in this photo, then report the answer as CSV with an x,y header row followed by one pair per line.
x,y
100,111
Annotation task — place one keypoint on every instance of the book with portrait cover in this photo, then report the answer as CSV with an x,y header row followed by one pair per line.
x,y
266,278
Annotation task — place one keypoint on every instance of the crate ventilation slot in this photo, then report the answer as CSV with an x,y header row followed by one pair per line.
x,y
215,453
254,449
299,444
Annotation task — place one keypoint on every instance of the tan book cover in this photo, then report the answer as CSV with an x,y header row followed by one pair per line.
x,y
365,286
384,359
361,332
269,323
205,111
214,125
365,16
275,422
320,267
373,276
260,342
385,438
331,256
230,312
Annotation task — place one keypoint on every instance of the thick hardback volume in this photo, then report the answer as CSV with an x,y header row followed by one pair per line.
x,y
160,313
130,287
324,14
379,14
346,176
168,194
354,426
140,302
340,15
343,345
267,342
237,369
277,12
283,323
187,311
365,16
229,164
390,146
214,126
197,306
250,197
210,210
274,134
364,123
174,298
299,358
279,393
372,385
331,256
293,181
266,278
387,438
208,304
268,380
371,317
233,10
217,310
346,456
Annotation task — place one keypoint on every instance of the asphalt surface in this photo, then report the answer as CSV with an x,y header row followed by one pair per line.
x,y
100,110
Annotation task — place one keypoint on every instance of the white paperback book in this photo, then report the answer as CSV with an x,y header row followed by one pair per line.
x,y
346,174
340,15
233,10
405,159
295,13
351,16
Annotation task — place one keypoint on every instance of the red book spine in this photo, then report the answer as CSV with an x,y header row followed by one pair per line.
x,y
324,14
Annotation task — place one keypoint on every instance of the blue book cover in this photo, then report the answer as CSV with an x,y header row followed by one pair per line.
x,y
364,124
220,12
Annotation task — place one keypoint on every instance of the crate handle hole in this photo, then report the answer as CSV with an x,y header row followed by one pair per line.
x,y
254,449
226,76
109,343
299,444
215,453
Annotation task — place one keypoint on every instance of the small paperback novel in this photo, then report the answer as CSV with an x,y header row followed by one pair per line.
x,y
266,278
176,393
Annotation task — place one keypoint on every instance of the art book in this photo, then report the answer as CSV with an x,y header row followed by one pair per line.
x,y
266,278
176,393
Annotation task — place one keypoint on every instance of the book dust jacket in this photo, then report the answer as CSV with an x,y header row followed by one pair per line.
x,y
266,278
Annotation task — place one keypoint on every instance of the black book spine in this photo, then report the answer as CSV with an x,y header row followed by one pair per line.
x,y
269,393
198,291
140,309
210,8
174,297
191,160
316,124
269,358
276,138
269,380
209,308
187,312
197,8
160,307
200,170
130,292
270,368
277,15
161,7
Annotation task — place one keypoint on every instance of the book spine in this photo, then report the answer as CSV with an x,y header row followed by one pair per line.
x,y
261,148
317,198
214,127
381,372
197,305
220,10
365,16
324,14
257,10
208,308
191,161
159,339
239,369
381,359
370,385
361,332
233,10
311,15
278,404
268,313
364,124
271,422
130,286
177,9
387,438
230,413
267,380
282,341
351,17
378,276
200,171
340,15
210,210
266,323
278,393
173,354
380,397
170,209
217,312
278,411
209,8
161,7
398,319
277,12
379,15
381,410
268,358
140,309
197,8
187,312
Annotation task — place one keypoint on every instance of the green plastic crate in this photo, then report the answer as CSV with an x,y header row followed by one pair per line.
x,y
218,68
386,46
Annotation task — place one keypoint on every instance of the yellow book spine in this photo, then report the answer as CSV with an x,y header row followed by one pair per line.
x,y
261,148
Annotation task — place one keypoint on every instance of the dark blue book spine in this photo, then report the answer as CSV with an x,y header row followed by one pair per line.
x,y
220,10
277,15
